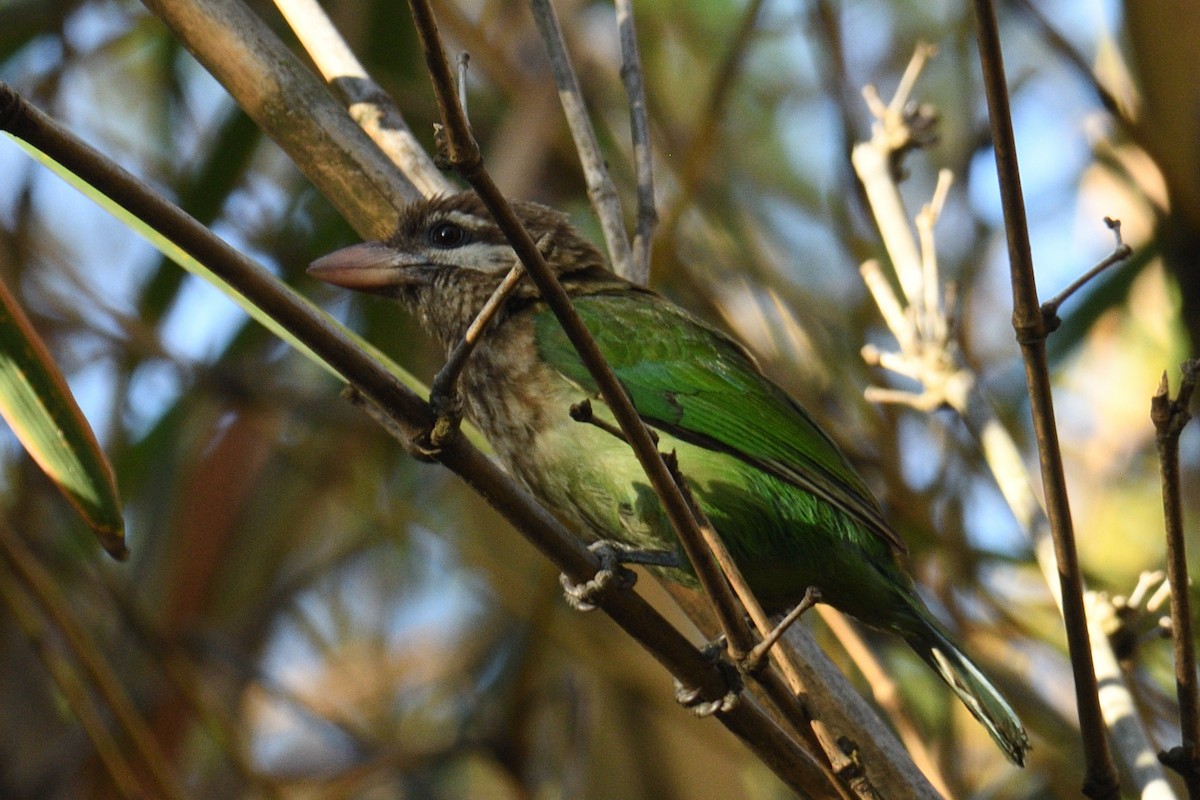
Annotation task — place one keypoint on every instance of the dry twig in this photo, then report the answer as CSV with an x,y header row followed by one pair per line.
x,y
1170,417
1100,780
601,190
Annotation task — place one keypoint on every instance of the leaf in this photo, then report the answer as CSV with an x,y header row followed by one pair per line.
x,y
38,406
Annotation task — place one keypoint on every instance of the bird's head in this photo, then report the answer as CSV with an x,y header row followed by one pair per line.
x,y
447,256
452,238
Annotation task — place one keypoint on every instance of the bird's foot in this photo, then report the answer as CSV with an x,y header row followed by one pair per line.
x,y
693,698
447,409
612,573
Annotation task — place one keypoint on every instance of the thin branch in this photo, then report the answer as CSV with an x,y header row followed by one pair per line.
x,y
601,190
1121,251
443,391
748,655
928,354
1100,780
371,107
639,124
1170,417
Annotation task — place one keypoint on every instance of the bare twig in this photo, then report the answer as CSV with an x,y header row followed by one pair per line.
x,y
1149,780
601,190
464,61
749,657
443,391
928,354
1170,417
1100,781
639,123
1121,251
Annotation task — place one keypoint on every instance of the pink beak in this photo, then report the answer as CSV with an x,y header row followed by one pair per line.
x,y
369,266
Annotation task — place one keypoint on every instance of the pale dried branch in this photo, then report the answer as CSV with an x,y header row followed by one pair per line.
x,y
368,105
639,124
601,190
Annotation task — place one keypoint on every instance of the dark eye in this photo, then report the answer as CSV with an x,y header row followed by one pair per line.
x,y
447,235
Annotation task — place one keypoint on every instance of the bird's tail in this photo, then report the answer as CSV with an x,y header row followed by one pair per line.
x,y
933,644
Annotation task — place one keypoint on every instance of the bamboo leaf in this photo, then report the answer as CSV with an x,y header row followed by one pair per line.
x,y
38,406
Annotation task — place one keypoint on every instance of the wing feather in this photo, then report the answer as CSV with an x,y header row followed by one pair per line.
x,y
699,385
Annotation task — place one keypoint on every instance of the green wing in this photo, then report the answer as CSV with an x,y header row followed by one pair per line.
x,y
700,386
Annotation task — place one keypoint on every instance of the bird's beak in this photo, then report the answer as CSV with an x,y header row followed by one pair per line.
x,y
370,266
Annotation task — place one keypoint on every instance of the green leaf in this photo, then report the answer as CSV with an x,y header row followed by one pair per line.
x,y
38,406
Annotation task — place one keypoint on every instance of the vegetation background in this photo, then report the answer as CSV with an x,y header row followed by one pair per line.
x,y
308,612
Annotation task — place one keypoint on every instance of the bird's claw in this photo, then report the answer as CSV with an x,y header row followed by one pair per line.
x,y
691,698
447,417
612,574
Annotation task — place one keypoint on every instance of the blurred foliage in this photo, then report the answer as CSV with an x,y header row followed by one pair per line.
x,y
310,613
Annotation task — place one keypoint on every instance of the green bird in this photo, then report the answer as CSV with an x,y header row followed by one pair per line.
x,y
790,509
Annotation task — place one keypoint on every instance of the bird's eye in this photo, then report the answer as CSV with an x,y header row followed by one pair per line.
x,y
447,235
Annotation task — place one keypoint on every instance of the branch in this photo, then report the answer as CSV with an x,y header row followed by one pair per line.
x,y
1100,781
368,105
929,354
639,125
1170,417
601,190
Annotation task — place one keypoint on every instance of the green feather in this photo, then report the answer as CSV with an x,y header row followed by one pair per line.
x,y
697,384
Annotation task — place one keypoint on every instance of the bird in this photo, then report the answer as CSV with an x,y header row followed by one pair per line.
x,y
785,501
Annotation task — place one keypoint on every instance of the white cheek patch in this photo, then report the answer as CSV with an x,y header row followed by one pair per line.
x,y
479,256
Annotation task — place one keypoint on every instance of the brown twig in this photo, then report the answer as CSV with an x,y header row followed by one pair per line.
x,y
1170,417
639,124
1121,251
443,391
601,189
1100,781
928,354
